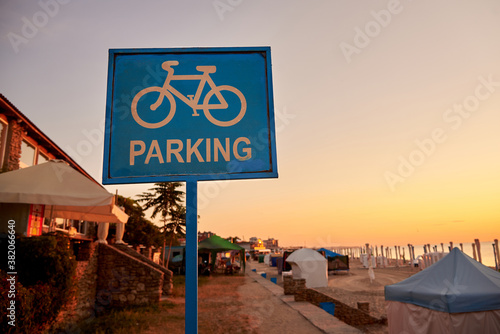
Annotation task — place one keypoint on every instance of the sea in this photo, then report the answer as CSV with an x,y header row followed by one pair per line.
x,y
487,254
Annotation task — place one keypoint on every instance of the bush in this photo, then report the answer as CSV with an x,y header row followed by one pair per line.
x,y
45,268
32,308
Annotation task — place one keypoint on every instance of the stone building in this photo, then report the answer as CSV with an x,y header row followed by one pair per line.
x,y
23,144
106,275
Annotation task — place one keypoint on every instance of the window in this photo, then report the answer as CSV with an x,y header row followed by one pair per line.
x,y
79,225
72,226
27,155
41,158
60,223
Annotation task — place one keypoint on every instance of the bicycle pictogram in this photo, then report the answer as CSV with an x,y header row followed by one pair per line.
x,y
167,93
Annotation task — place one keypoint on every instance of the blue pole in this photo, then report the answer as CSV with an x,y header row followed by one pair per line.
x,y
191,313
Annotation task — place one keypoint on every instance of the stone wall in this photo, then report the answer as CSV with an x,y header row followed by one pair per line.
x,y
110,276
293,286
124,280
13,147
167,274
350,315
81,306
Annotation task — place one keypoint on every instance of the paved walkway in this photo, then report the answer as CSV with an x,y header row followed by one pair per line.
x,y
315,315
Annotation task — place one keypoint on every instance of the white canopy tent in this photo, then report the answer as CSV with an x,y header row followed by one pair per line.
x,y
311,265
66,192
457,294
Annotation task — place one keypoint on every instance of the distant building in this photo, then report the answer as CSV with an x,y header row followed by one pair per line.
x,y
233,239
258,245
204,235
271,243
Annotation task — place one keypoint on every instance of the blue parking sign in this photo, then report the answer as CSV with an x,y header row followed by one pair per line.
x,y
189,114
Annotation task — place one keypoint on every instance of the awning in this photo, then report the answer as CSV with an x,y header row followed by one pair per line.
x,y
66,192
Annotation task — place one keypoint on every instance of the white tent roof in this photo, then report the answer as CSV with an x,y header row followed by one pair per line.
x,y
311,265
67,192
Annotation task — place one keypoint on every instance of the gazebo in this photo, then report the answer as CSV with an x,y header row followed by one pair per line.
x,y
457,294
216,244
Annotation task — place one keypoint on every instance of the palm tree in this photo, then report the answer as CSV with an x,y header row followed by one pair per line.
x,y
176,227
166,200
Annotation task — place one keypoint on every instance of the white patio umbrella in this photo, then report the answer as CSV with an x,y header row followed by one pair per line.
x,y
66,192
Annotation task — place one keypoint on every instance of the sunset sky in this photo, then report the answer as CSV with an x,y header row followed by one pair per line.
x,y
387,112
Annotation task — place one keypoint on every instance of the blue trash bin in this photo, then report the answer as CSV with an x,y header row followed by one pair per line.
x,y
254,270
328,307
274,280
263,275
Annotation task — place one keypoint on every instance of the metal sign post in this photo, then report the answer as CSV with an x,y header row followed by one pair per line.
x,y
189,114
191,257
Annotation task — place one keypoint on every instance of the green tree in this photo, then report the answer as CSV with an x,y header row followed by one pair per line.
x,y
165,199
139,230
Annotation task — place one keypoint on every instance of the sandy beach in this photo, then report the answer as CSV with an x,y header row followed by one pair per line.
x,y
348,287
